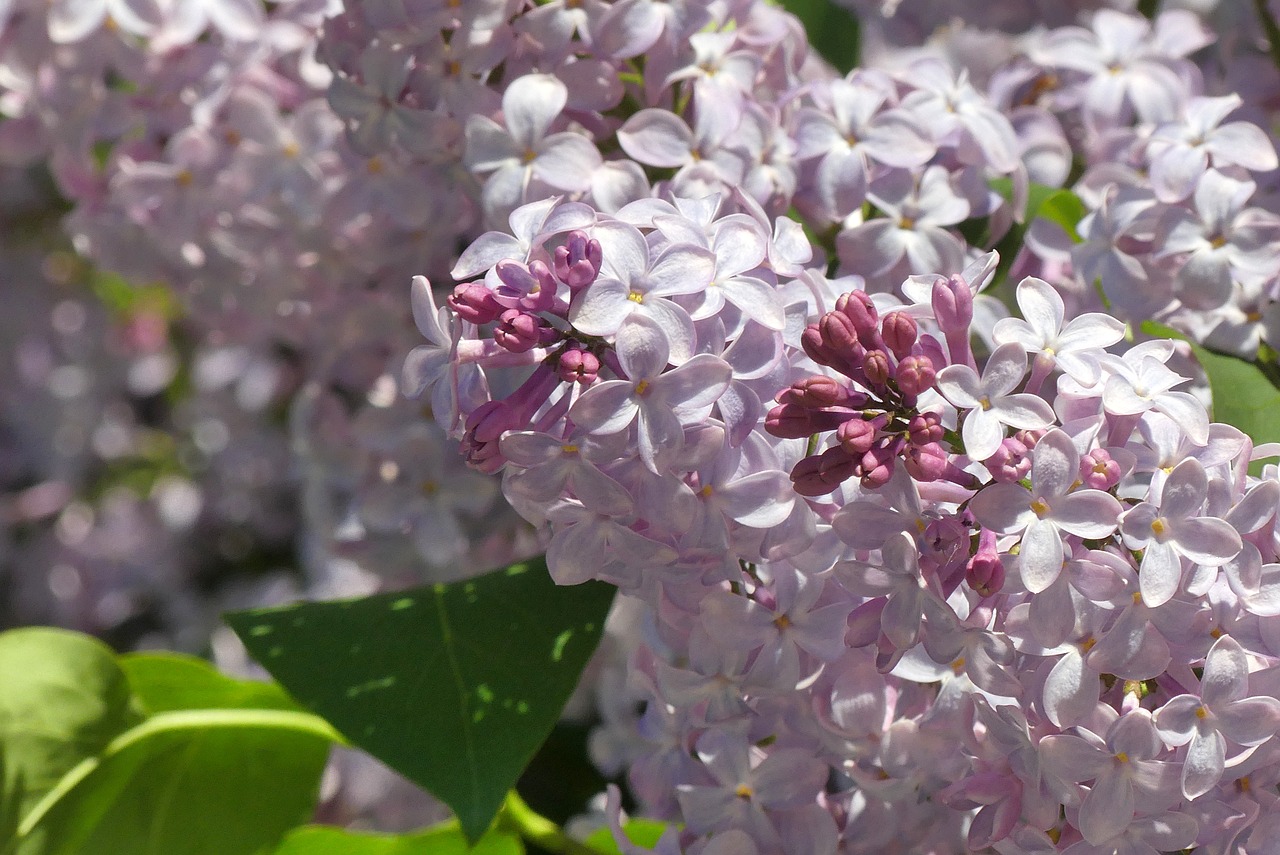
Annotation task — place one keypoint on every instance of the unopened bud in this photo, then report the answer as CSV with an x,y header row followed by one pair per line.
x,y
858,308
916,376
1010,463
473,302
877,467
518,331
985,573
925,428
578,366
856,436
577,262
898,329
876,367
1099,470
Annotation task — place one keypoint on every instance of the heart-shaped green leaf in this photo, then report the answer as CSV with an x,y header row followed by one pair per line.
x,y
454,686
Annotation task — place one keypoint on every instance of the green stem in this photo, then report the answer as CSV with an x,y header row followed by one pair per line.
x,y
538,830
1272,30
1148,8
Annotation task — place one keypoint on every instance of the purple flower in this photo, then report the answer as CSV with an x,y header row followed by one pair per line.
x,y
1223,711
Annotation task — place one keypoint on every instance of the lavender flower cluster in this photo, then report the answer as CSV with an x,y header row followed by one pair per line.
x,y
917,575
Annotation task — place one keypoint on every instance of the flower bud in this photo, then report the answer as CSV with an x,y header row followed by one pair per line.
x,y
952,304
819,474
815,391
856,436
578,366
858,308
577,262
489,421
925,428
898,329
876,368
1011,462
473,302
927,462
877,467
985,573
915,376
518,331
1099,471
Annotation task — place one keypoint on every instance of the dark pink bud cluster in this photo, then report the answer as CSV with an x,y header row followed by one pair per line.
x,y
889,365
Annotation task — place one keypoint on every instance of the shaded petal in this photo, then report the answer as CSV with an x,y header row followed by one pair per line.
x,y
529,106
1160,574
607,407
657,138
1040,560
1108,809
1203,766
1207,540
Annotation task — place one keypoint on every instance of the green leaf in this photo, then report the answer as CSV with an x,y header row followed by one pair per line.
x,y
834,32
443,840
164,682
62,699
191,782
642,832
454,686
1243,395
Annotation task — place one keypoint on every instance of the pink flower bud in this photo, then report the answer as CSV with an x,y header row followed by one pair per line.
x,y
840,337
1011,462
820,474
952,304
577,263
876,367
985,573
858,308
927,462
856,436
925,428
815,391
899,332
877,467
473,302
578,366
518,331
915,376
489,421
1099,471
792,421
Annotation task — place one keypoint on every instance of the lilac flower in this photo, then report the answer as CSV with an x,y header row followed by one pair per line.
x,y
523,150
852,132
1125,774
1224,710
748,783
1180,151
988,403
1072,346
658,401
635,281
1167,532
917,209
72,21
1221,242
897,577
1048,510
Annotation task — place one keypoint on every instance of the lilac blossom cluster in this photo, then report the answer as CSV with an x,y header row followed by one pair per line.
x,y
1059,637
903,592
